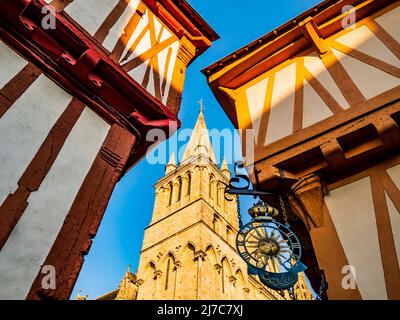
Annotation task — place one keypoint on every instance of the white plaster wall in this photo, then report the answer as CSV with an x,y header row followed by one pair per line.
x,y
157,28
145,42
90,14
118,29
390,21
144,45
256,96
36,231
162,59
282,107
151,85
317,68
24,127
138,73
314,108
10,64
394,216
370,80
394,173
352,210
364,40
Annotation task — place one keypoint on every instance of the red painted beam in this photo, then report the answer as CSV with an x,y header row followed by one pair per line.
x,y
71,59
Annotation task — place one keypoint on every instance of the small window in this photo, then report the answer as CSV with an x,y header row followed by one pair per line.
x,y
211,187
170,194
189,184
179,188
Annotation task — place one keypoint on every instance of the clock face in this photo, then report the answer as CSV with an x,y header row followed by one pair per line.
x,y
267,244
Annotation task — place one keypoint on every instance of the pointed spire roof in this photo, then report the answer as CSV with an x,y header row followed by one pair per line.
x,y
224,165
171,165
128,275
200,140
225,169
80,297
172,161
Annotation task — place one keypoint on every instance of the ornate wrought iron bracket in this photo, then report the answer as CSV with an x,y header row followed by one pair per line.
x,y
263,215
248,192
240,184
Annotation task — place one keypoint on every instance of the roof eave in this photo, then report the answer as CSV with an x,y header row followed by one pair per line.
x,y
284,42
267,38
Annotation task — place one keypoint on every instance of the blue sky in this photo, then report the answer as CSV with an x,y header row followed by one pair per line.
x,y
120,236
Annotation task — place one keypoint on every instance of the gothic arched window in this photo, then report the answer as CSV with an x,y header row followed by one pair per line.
x,y
169,188
179,189
223,278
219,189
167,274
189,184
216,224
170,266
225,204
211,187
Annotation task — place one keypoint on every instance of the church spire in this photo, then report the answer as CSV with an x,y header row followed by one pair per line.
x,y
80,297
128,274
199,142
224,169
171,165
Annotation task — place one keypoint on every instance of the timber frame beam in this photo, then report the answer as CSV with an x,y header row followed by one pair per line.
x,y
75,62
309,30
341,151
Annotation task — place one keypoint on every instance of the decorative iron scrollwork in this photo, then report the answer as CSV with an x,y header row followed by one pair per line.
x,y
271,249
240,184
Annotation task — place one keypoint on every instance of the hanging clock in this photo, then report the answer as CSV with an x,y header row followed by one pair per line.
x,y
271,250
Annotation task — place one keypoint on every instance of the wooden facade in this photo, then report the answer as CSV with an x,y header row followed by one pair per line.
x,y
76,102
319,97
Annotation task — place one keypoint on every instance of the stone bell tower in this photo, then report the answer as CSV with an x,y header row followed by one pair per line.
x,y
189,247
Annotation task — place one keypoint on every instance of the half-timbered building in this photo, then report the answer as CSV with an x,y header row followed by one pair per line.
x,y
319,98
81,83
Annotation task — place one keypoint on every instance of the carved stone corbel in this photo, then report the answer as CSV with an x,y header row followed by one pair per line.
x,y
139,282
218,267
157,274
308,202
177,265
232,280
200,255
